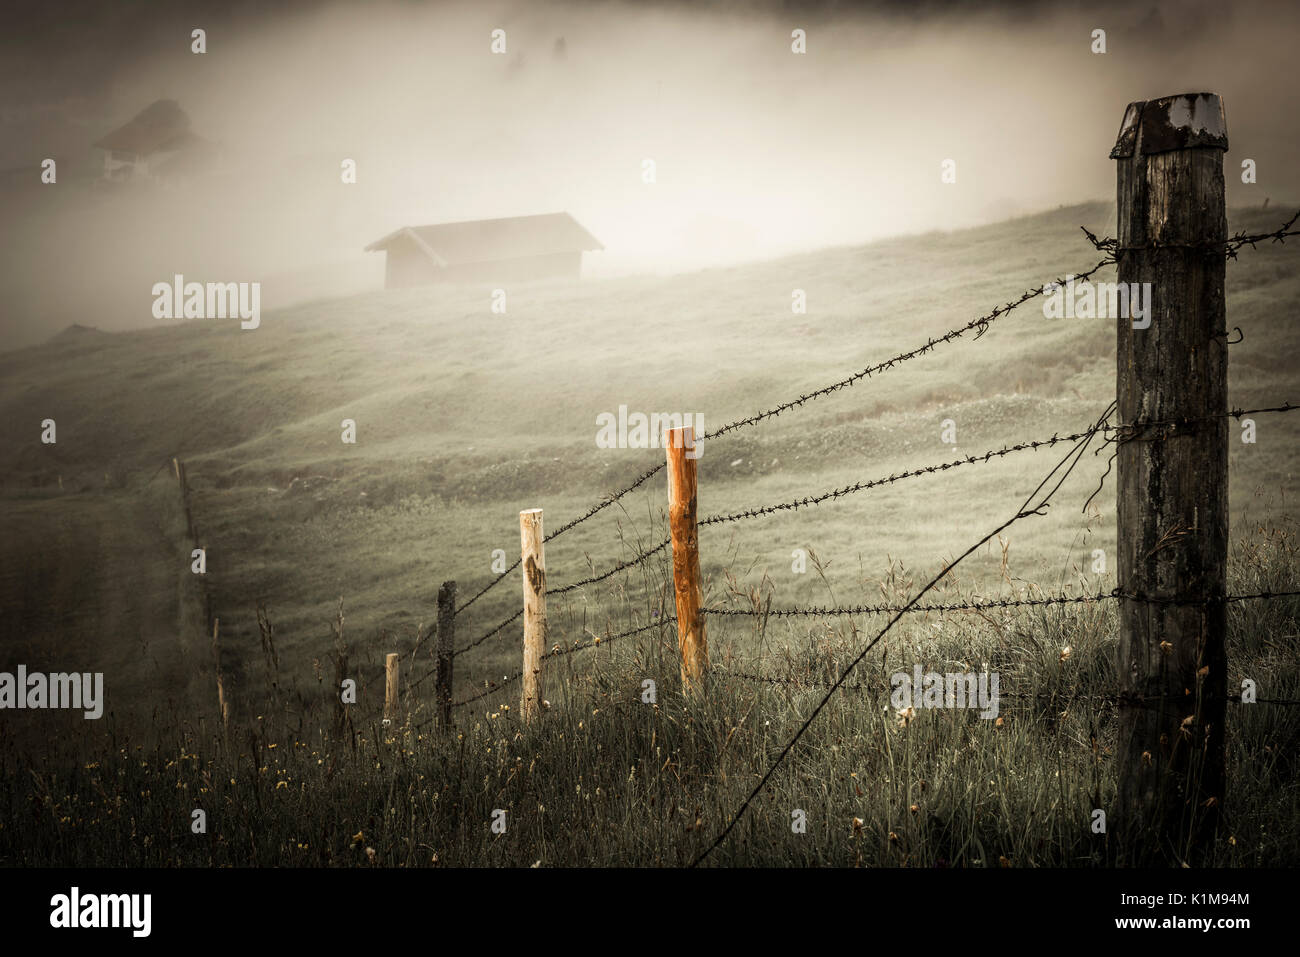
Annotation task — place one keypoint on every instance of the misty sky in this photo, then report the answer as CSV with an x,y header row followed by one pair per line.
x,y
758,151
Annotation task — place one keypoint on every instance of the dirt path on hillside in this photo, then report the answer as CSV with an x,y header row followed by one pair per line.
x,y
90,583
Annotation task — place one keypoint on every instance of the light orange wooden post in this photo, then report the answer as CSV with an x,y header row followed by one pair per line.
x,y
534,572
691,639
390,686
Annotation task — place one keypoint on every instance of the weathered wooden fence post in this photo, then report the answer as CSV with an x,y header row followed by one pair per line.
x,y
1172,477
392,661
534,573
691,639
223,707
446,652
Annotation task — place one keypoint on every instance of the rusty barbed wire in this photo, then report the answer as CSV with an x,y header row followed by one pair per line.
x,y
1131,432
979,326
486,635
891,478
820,611
1109,698
798,680
620,566
489,586
810,682
421,680
558,651
976,605
814,500
1230,246
982,604
604,503
1034,504
564,589
1153,600
1122,433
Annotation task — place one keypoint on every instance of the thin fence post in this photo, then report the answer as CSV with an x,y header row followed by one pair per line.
x,y
446,652
533,562
223,707
392,662
1172,516
687,584
183,478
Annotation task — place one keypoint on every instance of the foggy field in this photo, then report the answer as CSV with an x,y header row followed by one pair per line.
x,y
340,344
606,780
465,417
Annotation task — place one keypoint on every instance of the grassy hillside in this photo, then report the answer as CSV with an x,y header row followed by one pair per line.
x,y
606,779
464,417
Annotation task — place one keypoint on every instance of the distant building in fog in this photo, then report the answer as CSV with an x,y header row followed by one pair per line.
x,y
156,144
485,250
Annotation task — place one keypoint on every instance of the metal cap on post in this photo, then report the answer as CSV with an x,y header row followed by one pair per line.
x,y
1172,512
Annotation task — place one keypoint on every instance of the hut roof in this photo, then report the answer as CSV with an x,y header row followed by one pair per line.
x,y
162,125
486,240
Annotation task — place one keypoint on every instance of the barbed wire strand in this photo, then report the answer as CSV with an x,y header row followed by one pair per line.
x,y
1105,697
1230,246
1055,439
488,634
979,326
981,604
1125,433
557,651
891,478
1065,466
564,589
604,503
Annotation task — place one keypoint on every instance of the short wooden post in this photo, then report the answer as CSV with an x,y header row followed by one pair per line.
x,y
446,652
1173,478
687,583
391,706
534,573
223,708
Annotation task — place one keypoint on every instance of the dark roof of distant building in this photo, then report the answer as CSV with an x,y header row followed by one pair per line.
x,y
160,126
199,156
487,240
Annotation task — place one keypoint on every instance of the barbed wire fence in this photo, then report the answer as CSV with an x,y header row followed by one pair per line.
x,y
1145,431
1036,504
